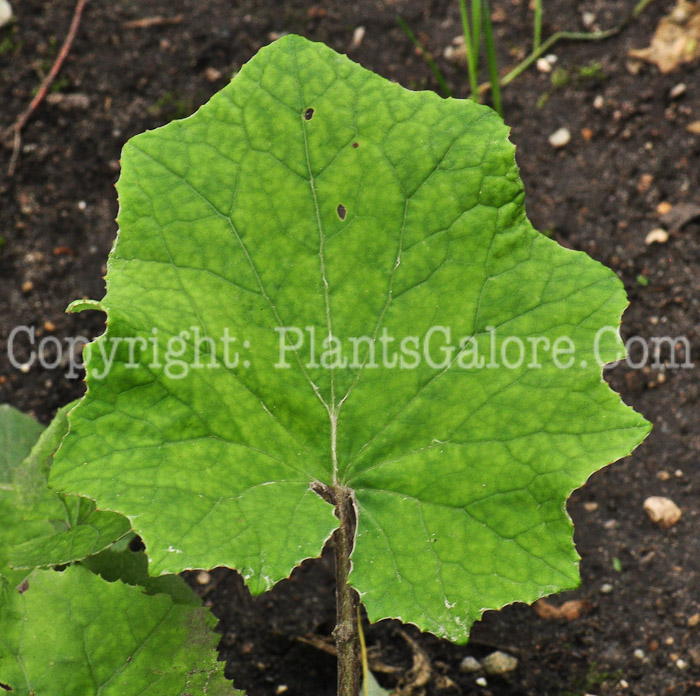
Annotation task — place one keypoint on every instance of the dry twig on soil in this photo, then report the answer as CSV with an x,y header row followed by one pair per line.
x,y
15,130
147,22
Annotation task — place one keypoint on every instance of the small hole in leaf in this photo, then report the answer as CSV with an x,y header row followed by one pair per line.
x,y
136,544
309,114
6,687
342,211
356,144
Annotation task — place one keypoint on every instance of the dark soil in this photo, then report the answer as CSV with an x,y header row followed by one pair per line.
x,y
599,194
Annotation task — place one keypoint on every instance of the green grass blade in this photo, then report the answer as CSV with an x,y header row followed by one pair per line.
x,y
491,59
472,65
476,35
537,39
426,56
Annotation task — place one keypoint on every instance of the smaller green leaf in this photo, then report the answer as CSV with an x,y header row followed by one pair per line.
x,y
23,518
18,432
17,526
31,475
92,535
132,568
372,688
42,528
72,633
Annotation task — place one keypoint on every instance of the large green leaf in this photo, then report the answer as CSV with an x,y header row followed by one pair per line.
x,y
313,193
73,633
18,432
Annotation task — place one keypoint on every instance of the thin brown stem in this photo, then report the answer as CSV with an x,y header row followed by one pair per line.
x,y
346,633
22,119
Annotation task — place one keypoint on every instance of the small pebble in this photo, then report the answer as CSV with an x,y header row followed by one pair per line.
x,y
27,286
469,664
658,235
590,506
357,36
5,13
664,208
543,65
588,19
694,653
82,205
633,66
694,621
662,511
212,74
624,684
677,91
639,654
203,578
681,663
645,182
499,663
560,138
599,102
680,14
49,326
693,128
481,681
606,588
282,689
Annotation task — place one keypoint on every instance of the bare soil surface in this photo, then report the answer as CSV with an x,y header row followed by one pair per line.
x,y
630,158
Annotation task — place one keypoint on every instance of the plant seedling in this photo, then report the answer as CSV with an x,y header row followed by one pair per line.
x,y
316,304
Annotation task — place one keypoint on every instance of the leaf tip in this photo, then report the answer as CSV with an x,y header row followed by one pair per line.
x,y
84,304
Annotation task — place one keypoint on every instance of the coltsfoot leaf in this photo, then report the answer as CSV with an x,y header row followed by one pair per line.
x,y
42,528
74,633
18,432
307,275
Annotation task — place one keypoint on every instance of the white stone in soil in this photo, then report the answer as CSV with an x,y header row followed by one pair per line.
x,y
662,511
469,664
5,12
499,663
560,138
657,236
